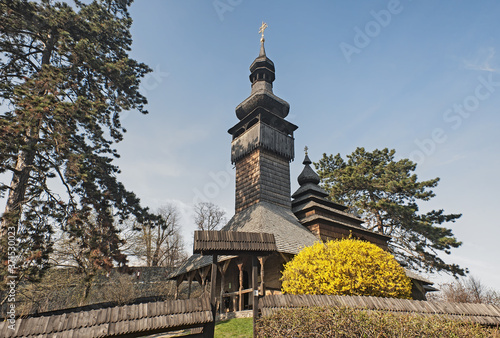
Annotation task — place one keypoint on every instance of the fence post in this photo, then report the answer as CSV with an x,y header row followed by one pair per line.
x,y
210,328
255,292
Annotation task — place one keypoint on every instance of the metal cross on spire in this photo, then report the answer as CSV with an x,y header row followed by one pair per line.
x,y
261,30
306,149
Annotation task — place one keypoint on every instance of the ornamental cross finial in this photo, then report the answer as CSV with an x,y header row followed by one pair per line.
x,y
261,30
306,149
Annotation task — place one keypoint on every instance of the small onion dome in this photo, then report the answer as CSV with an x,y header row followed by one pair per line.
x,y
308,175
262,76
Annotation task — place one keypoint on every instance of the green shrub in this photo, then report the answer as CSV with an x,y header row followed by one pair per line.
x,y
343,322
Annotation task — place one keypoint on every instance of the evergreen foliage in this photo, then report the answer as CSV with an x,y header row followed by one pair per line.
x,y
345,267
384,192
65,77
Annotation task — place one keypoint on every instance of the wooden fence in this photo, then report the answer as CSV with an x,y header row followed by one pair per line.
x,y
483,314
156,317
128,320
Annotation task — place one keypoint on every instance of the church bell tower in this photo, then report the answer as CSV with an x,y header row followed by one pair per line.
x,y
263,144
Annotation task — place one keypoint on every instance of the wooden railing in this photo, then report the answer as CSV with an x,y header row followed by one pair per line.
x,y
235,298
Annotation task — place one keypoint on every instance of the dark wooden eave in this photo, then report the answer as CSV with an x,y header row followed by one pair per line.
x,y
233,243
262,114
306,197
316,204
315,219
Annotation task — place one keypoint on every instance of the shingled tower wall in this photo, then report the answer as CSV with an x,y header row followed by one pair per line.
x,y
262,176
262,145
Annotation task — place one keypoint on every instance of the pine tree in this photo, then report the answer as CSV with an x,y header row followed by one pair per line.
x,y
65,77
384,192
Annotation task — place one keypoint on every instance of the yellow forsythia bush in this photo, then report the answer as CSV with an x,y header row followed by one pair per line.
x,y
345,267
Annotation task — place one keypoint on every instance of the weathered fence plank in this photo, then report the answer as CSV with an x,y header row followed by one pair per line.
x,y
484,314
134,319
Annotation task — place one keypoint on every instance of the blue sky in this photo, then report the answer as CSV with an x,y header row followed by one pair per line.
x,y
422,77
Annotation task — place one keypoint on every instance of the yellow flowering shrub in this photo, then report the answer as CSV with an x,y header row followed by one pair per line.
x,y
345,267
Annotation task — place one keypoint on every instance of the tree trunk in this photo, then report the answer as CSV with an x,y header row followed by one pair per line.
x,y
86,291
17,191
19,183
155,260
380,223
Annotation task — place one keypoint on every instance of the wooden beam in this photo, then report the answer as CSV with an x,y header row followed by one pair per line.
x,y
236,293
213,282
190,280
240,296
222,269
221,301
197,277
255,294
213,299
285,257
203,275
262,260
178,282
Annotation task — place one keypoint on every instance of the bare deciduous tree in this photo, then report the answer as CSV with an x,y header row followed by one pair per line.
x,y
120,290
470,290
160,243
88,252
209,216
76,278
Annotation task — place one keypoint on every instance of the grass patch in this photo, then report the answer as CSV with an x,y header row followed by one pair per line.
x,y
234,328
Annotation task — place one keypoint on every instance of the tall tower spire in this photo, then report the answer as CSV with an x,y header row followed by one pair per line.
x,y
263,143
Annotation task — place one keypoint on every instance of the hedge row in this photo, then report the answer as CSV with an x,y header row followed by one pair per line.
x,y
344,322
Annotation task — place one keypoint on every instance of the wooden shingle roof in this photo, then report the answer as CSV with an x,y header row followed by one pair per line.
x,y
262,217
413,275
483,314
233,243
114,321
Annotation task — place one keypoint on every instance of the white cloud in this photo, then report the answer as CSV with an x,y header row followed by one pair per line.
x,y
483,61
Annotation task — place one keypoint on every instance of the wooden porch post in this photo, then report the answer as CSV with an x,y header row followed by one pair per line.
x,y
190,281
213,299
223,269
240,295
213,283
203,275
262,261
178,282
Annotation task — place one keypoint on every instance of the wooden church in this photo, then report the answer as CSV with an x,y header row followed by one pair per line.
x,y
262,148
